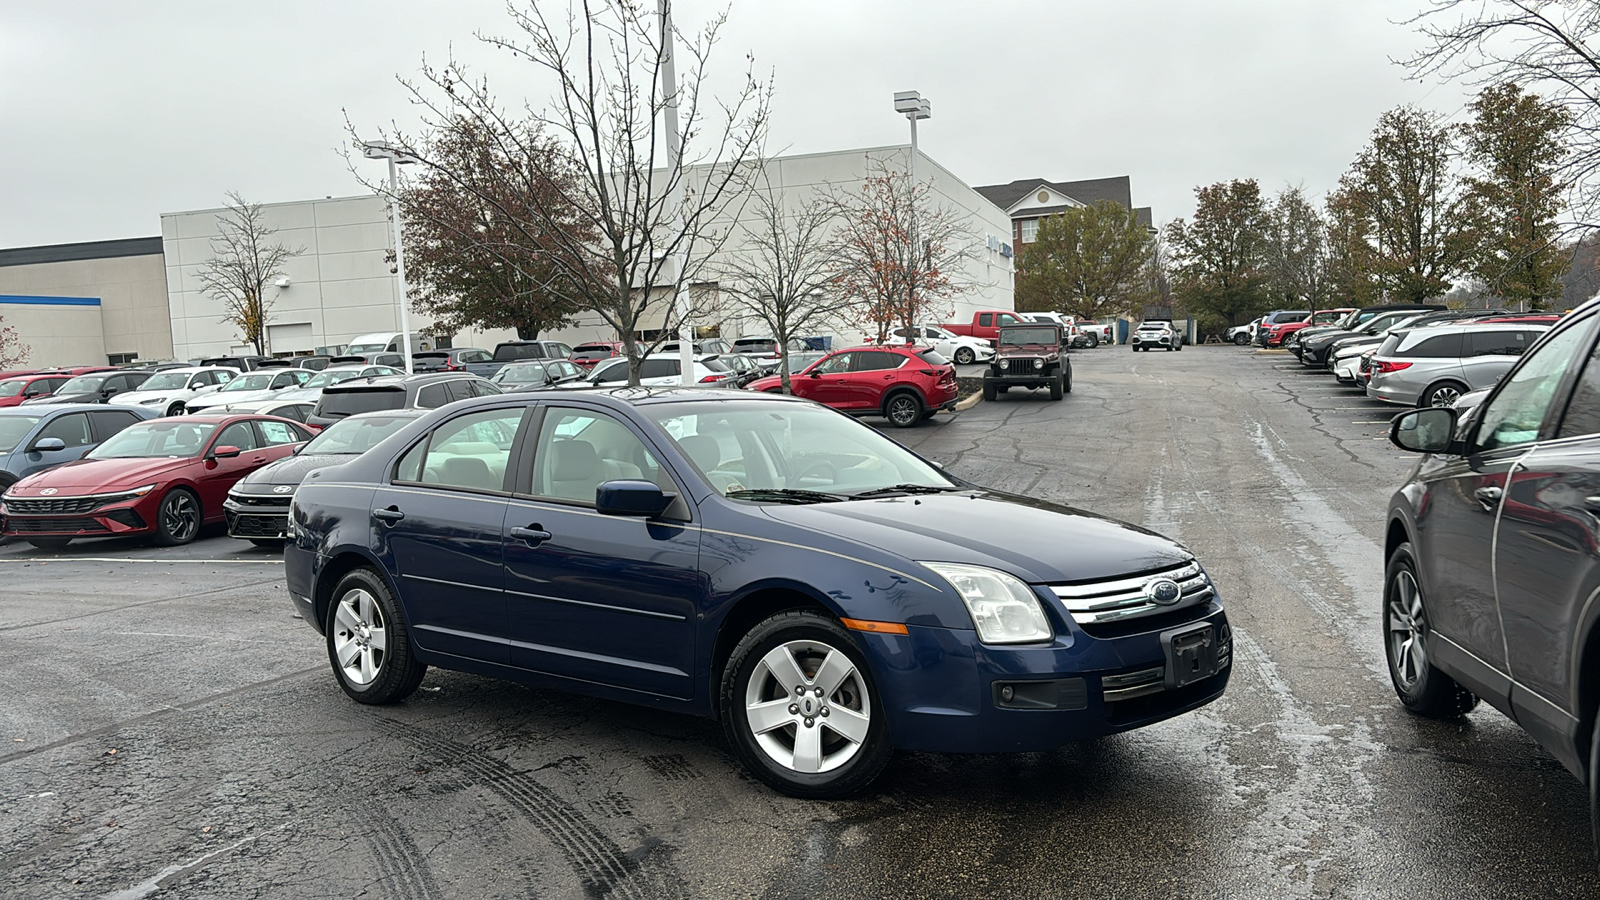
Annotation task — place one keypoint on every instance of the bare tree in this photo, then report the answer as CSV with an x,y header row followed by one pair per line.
x,y
13,352
1297,250
1551,47
647,206
783,271
899,252
243,261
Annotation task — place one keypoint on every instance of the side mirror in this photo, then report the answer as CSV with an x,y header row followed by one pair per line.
x,y
1429,430
815,373
49,445
226,451
631,497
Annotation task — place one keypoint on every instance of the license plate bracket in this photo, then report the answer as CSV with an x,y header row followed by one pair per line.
x,y
1191,654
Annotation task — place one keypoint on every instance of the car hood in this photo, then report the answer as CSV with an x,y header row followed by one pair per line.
x,y
89,476
92,397
219,398
290,470
134,398
1039,542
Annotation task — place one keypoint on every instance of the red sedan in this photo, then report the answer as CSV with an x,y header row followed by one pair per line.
x,y
165,478
904,384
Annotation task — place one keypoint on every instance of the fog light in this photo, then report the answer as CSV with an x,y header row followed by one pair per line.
x,y
1008,693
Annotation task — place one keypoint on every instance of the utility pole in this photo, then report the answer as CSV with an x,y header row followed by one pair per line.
x,y
669,88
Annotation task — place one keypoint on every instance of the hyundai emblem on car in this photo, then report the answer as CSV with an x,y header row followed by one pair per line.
x,y
283,489
47,492
1163,591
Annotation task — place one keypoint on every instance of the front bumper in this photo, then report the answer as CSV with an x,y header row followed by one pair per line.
x,y
250,518
945,690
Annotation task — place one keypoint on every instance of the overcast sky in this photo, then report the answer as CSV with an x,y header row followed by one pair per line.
x,y
115,112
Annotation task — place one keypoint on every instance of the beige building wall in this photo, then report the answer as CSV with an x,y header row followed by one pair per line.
x,y
128,280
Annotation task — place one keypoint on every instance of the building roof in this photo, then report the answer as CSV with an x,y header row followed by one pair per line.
x,y
50,253
1087,192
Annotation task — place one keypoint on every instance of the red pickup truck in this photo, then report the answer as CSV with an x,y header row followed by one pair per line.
x,y
986,323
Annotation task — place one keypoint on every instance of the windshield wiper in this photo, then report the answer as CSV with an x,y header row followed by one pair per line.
x,y
783,495
903,489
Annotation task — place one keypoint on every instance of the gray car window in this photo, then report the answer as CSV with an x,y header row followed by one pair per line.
x,y
72,429
1583,410
1515,414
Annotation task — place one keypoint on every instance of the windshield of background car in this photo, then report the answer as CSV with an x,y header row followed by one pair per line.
x,y
256,381
1021,337
83,384
166,381
526,373
338,404
12,388
789,446
163,437
13,429
355,435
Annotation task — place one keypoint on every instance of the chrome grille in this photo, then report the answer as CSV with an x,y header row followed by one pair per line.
x,y
1124,598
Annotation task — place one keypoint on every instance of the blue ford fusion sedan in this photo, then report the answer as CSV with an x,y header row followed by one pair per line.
x,y
825,593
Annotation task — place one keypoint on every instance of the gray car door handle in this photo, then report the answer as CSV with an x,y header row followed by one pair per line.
x,y
391,514
1592,502
1488,496
534,536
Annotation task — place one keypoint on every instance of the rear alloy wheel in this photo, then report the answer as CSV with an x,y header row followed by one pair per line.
x,y
965,356
1094,340
178,518
369,645
902,409
1423,689
801,709
1444,393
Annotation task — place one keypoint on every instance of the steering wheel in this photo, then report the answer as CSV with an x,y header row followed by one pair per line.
x,y
821,469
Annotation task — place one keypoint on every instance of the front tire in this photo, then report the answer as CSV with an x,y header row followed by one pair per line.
x,y
801,709
1422,688
989,393
369,645
965,356
1057,388
902,409
178,519
175,409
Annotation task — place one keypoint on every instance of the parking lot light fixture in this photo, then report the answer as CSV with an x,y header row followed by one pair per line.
x,y
395,155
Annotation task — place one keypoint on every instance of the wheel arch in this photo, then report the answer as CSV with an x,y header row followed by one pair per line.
x,y
752,605
1586,674
1396,535
339,564
904,387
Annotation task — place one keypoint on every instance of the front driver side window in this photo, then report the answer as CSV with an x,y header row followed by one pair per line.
x,y
1515,414
239,434
580,450
836,364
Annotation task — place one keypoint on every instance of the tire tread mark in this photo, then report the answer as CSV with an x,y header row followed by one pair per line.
x,y
403,872
603,868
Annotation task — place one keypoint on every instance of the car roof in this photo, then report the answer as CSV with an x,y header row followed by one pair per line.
x,y
45,409
388,382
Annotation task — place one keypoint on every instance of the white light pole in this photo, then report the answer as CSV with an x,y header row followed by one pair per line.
x,y
396,156
669,91
914,106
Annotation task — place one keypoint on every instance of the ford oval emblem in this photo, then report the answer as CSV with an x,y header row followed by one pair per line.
x,y
283,489
1163,591
47,492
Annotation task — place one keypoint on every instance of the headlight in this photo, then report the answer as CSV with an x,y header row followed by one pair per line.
x,y
1038,364
1003,609
152,401
141,491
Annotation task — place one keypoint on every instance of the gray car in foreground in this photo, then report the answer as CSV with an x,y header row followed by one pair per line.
x,y
1434,366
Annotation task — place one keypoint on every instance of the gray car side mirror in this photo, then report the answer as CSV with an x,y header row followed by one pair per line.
x,y
49,445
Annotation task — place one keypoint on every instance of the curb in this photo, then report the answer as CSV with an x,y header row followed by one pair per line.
x,y
1265,352
970,402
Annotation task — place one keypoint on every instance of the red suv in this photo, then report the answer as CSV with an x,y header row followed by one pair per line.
x,y
587,355
903,384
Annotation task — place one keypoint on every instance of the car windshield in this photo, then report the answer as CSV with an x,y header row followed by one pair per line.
x,y
13,429
11,388
355,435
166,381
163,437
757,450
526,373
331,376
83,384
1022,337
256,381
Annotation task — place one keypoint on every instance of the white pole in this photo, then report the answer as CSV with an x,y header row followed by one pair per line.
x,y
400,266
669,87
916,249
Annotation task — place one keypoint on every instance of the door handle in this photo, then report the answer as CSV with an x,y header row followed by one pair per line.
x,y
1488,496
533,535
390,514
1592,502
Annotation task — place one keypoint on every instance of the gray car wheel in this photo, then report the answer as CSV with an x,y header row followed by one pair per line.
x,y
369,645
1445,393
902,409
965,356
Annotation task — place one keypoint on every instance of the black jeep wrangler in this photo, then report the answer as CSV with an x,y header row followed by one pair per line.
x,y
1030,356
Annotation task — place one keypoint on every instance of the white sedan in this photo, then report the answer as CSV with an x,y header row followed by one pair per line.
x,y
168,391
964,350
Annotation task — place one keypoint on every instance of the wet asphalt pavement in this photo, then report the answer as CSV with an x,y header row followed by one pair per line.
x,y
168,730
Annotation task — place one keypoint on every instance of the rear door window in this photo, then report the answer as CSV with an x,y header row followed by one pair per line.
x,y
469,452
1439,346
876,360
274,433
432,396
459,390
1498,343
658,368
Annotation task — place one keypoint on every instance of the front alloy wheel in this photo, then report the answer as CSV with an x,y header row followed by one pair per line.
x,y
178,519
800,707
965,356
1420,686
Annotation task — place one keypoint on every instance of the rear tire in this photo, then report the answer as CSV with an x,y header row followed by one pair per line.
x,y
368,643
782,674
1443,394
1241,340
903,409
1094,340
1422,689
